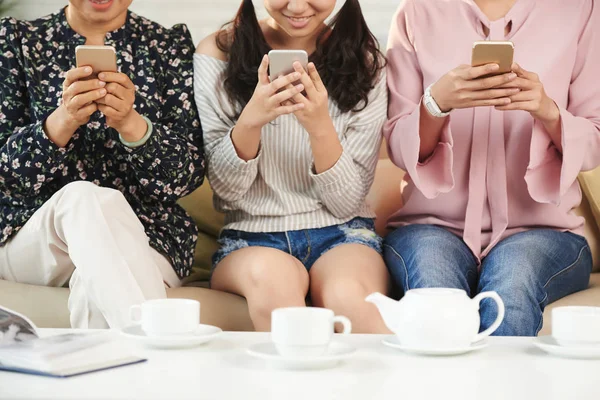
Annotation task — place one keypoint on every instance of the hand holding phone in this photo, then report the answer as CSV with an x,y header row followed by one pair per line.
x,y
269,96
480,84
79,97
533,98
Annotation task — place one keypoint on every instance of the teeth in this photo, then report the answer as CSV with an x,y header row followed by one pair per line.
x,y
299,19
100,1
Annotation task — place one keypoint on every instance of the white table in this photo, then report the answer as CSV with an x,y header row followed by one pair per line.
x,y
509,369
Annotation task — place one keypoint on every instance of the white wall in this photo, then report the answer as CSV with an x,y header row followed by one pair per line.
x,y
205,16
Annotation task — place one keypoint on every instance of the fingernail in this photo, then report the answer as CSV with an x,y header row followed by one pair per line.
x,y
88,70
512,75
101,83
297,75
101,76
300,87
102,91
494,67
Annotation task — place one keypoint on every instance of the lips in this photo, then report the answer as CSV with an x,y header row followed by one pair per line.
x,y
101,4
298,22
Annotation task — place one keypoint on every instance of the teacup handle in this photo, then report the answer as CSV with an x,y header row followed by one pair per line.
x,y
345,322
135,314
499,318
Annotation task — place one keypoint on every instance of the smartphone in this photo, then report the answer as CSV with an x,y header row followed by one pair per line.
x,y
281,62
493,51
100,58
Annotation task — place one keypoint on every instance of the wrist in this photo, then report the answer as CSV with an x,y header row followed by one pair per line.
x,y
319,128
60,127
133,128
431,104
247,124
550,113
439,99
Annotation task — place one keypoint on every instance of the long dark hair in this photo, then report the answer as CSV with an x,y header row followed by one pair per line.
x,y
347,56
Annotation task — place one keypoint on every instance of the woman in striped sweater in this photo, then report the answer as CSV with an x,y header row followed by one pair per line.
x,y
291,164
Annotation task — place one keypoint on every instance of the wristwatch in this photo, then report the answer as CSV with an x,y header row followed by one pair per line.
x,y
432,106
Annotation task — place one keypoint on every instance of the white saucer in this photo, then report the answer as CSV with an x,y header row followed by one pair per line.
x,y
392,341
336,352
549,345
202,334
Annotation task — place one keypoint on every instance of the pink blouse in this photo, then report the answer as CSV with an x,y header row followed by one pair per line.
x,y
495,173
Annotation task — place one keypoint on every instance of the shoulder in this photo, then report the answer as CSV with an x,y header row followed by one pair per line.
x,y
178,37
11,28
14,35
209,46
428,9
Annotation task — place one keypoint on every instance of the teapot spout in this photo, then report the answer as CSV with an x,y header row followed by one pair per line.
x,y
386,307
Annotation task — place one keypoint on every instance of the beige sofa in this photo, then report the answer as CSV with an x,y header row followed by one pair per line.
x,y
47,307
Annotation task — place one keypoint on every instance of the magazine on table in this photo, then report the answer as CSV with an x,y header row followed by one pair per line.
x,y
22,350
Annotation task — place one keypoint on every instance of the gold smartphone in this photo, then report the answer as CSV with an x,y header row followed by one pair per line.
x,y
100,58
492,51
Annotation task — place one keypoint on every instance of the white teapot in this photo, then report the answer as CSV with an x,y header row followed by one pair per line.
x,y
436,318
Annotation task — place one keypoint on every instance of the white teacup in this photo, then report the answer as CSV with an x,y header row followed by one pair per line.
x,y
304,331
576,325
165,317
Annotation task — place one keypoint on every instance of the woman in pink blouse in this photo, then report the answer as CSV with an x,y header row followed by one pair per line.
x,y
492,163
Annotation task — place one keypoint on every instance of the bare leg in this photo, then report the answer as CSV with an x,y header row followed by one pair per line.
x,y
343,277
268,279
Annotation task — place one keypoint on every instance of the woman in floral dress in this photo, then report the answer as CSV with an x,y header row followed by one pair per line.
x,y
91,169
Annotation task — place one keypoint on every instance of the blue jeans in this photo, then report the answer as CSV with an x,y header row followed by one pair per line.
x,y
306,245
528,270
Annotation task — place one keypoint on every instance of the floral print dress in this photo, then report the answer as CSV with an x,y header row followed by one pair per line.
x,y
34,58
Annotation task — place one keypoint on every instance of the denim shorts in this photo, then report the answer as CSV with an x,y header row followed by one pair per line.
x,y
306,245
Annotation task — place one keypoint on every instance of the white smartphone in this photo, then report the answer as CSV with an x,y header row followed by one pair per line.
x,y
100,58
281,62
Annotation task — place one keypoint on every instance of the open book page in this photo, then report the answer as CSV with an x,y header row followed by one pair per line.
x,y
15,327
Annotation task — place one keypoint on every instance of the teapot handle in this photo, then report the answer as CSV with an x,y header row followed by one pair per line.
x,y
499,318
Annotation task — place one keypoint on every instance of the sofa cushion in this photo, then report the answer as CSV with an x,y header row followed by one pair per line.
x,y
47,306
590,209
199,204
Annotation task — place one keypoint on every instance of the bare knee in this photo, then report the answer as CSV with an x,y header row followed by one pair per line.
x,y
339,293
271,288
267,279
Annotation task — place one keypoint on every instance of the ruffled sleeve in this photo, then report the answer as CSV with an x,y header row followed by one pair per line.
x,y
405,83
551,173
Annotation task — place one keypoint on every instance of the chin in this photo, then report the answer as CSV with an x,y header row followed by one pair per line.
x,y
101,10
295,32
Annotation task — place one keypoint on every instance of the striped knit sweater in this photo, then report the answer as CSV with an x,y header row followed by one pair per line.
x,y
278,191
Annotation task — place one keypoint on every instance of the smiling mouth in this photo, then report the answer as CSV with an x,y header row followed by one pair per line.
x,y
101,2
298,19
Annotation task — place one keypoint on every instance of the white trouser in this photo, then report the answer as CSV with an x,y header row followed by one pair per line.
x,y
91,235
